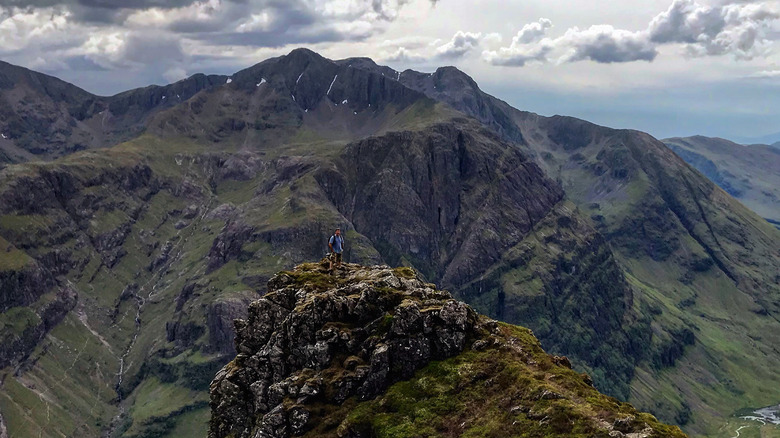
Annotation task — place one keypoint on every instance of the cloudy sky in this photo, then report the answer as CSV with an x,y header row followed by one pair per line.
x,y
669,67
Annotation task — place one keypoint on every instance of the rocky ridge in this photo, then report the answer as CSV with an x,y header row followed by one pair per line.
x,y
617,254
43,118
322,354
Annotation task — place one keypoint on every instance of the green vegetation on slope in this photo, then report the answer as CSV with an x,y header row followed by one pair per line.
x,y
133,229
749,173
378,352
521,400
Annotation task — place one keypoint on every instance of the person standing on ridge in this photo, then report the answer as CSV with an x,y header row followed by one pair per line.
x,y
336,246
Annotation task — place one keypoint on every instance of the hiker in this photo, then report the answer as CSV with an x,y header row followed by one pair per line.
x,y
336,246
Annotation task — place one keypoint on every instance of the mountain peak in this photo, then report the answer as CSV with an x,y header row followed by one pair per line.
x,y
455,76
349,353
304,52
303,56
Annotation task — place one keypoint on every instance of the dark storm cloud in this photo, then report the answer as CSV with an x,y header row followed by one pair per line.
x,y
164,40
103,4
232,15
97,11
282,23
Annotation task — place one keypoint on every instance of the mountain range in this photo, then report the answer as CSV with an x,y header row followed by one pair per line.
x,y
771,139
749,173
135,228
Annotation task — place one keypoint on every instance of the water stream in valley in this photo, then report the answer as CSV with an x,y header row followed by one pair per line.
x,y
767,415
758,418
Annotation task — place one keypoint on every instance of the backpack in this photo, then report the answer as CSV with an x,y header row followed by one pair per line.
x,y
334,240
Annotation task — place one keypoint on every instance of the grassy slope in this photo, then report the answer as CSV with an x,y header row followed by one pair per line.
x,y
69,384
730,365
749,173
275,209
504,385
509,380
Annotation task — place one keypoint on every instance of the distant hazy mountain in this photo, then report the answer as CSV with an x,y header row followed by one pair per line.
x,y
123,267
748,173
763,139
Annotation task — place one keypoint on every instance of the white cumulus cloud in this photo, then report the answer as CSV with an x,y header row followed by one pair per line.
x,y
460,44
402,56
742,29
528,45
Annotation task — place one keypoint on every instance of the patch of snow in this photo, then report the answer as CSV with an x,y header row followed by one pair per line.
x,y
355,112
399,76
345,101
331,84
4,136
306,110
293,98
164,97
178,96
229,80
262,81
369,105
299,78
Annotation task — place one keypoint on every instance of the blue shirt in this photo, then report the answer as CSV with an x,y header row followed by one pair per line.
x,y
337,242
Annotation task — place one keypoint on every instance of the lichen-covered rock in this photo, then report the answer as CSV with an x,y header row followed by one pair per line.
x,y
383,323
321,341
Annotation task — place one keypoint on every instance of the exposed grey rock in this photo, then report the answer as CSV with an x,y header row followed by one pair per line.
x,y
298,331
222,212
3,429
219,319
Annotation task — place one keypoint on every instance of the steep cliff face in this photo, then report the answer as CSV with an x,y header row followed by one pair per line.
x,y
686,250
376,351
451,198
602,241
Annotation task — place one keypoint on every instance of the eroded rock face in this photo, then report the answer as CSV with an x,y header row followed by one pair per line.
x,y
350,354
317,337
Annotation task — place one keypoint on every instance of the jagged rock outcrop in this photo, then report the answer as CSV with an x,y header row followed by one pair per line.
x,y
253,174
322,350
219,319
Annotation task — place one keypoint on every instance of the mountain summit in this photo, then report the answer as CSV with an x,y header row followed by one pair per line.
x,y
378,352
123,264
